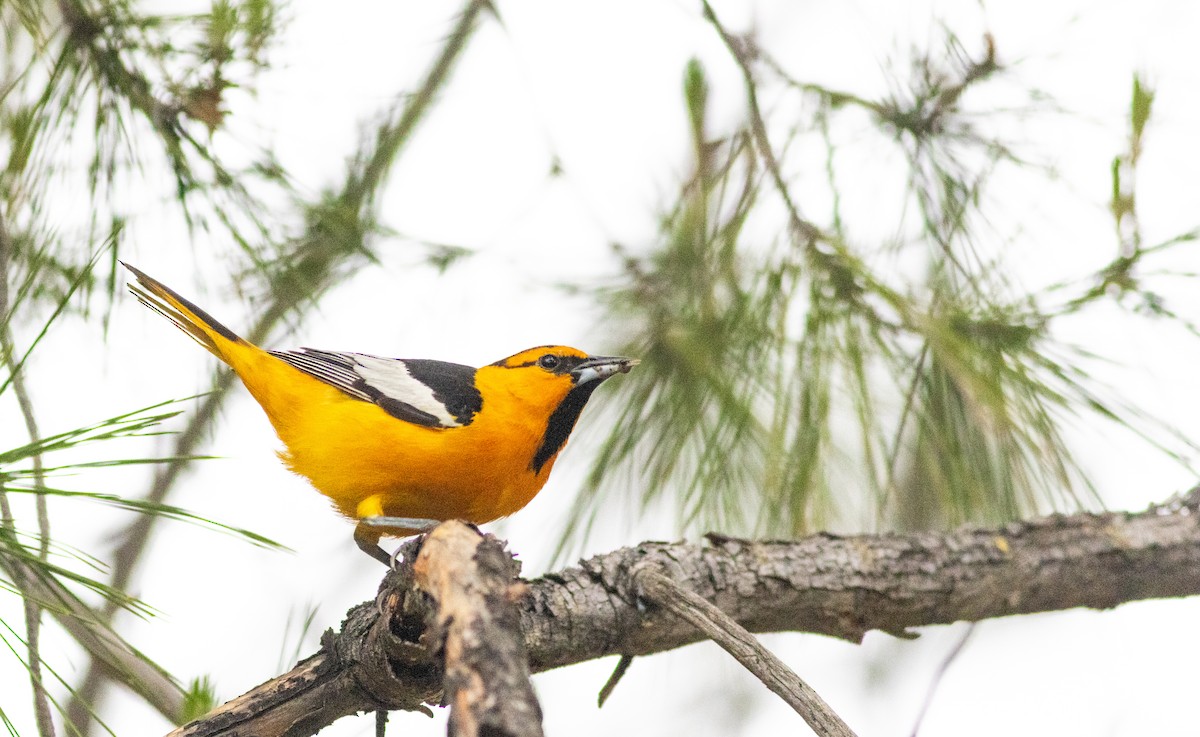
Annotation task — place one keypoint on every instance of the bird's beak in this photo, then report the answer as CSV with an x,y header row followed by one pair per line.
x,y
599,368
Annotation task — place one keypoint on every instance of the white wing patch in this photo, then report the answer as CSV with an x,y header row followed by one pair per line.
x,y
423,392
392,378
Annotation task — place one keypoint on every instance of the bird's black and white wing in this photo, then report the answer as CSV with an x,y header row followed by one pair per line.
x,y
424,392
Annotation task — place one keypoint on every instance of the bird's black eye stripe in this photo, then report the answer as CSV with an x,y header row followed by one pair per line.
x,y
553,362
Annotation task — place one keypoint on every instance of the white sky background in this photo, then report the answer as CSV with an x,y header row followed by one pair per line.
x,y
599,86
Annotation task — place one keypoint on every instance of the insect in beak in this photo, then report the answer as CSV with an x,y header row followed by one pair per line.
x,y
598,368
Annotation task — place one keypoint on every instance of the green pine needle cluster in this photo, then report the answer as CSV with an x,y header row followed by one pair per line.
x,y
796,377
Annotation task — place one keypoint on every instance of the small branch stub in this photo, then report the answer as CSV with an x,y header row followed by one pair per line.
x,y
666,593
476,627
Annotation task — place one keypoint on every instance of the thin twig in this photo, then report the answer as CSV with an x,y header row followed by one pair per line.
x,y
33,611
738,642
806,231
617,674
119,660
908,409
941,672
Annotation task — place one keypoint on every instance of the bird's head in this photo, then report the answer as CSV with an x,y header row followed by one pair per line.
x,y
554,382
563,366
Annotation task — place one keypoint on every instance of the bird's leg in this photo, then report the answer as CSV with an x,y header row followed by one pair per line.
x,y
367,540
374,524
370,529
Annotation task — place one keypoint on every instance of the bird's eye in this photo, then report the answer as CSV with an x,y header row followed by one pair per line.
x,y
548,361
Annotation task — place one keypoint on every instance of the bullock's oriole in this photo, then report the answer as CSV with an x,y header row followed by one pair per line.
x,y
400,444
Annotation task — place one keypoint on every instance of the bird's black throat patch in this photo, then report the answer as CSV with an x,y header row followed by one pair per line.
x,y
562,421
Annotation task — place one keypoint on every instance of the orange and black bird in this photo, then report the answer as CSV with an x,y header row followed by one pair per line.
x,y
399,444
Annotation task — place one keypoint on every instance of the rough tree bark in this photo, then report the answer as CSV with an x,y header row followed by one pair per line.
x,y
842,586
476,632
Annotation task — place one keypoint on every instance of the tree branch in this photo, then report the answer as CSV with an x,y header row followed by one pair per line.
x,y
842,586
477,631
773,672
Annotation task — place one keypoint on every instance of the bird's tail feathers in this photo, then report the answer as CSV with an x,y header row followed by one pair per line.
x,y
198,324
